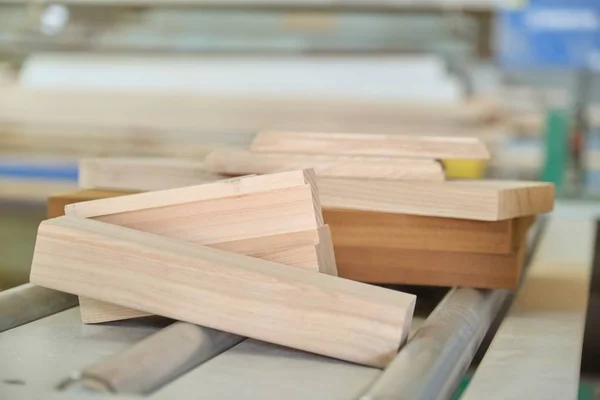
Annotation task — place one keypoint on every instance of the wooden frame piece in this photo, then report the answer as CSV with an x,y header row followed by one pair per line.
x,y
223,290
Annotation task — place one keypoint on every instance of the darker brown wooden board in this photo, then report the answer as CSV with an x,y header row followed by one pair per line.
x,y
351,228
432,268
435,268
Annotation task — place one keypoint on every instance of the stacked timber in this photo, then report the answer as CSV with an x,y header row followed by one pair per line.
x,y
249,256
396,220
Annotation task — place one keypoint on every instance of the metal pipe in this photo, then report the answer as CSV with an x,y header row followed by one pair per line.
x,y
433,362
154,361
26,303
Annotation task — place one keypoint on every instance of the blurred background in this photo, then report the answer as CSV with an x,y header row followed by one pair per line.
x,y
179,78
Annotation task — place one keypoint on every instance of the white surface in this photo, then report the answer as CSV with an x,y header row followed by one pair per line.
x,y
536,353
397,77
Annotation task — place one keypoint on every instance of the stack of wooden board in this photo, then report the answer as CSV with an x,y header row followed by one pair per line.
x,y
391,232
452,233
354,156
239,255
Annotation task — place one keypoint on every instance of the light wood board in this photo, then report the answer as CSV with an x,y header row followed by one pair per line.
x,y
242,162
536,352
477,200
157,110
240,215
283,249
231,292
370,144
484,200
117,173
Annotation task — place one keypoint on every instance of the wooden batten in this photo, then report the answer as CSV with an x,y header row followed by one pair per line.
x,y
242,162
312,312
432,147
274,217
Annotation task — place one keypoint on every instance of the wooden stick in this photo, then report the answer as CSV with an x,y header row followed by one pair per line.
x,y
154,361
371,145
241,162
23,304
227,291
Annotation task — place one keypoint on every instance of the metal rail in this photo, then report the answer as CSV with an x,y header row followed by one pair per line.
x,y
26,303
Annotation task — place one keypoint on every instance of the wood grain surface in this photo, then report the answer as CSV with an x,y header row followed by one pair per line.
x,y
241,162
430,147
401,231
117,173
231,292
485,200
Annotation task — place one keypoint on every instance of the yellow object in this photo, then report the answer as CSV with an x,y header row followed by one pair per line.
x,y
464,169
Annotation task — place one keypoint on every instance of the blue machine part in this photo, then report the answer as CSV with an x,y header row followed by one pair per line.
x,y
553,34
39,171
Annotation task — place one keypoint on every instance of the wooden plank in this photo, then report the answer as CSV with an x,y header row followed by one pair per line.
x,y
225,114
484,200
57,202
436,268
536,352
370,144
317,256
351,228
240,215
285,200
431,268
209,191
348,320
241,162
117,173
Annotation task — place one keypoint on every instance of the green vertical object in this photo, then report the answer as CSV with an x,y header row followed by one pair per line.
x,y
556,137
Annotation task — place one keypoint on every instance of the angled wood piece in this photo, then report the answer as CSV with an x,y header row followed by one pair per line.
x,y
117,173
236,209
223,290
309,250
371,144
484,200
275,217
241,162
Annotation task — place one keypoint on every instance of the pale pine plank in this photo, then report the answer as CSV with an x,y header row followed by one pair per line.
x,y
371,144
241,162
